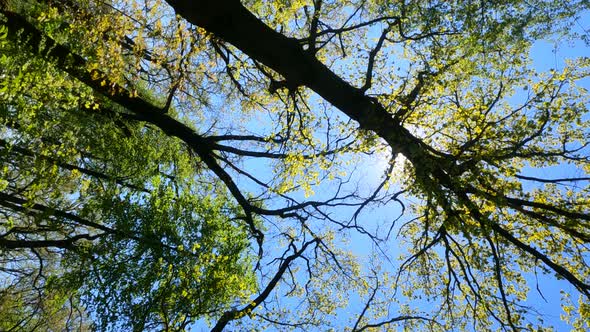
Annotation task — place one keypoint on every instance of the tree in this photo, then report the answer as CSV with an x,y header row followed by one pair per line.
x,y
135,229
133,156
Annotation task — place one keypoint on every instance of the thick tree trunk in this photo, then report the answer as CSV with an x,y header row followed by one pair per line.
x,y
233,23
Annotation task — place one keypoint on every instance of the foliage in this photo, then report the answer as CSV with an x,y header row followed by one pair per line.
x,y
135,229
186,160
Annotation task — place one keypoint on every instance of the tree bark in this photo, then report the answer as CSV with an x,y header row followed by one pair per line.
x,y
233,23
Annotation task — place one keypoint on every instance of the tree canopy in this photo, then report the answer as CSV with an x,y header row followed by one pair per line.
x,y
172,163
